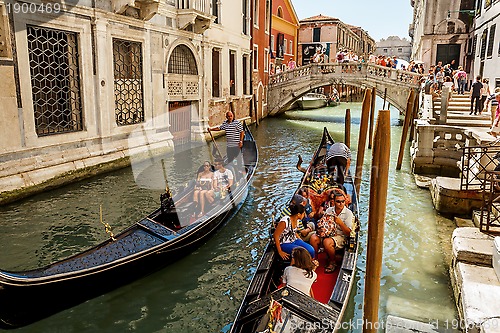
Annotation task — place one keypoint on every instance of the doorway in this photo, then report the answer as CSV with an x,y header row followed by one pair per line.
x,y
179,116
448,52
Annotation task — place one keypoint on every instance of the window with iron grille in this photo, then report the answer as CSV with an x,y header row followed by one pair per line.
x,y
491,40
182,61
129,101
55,80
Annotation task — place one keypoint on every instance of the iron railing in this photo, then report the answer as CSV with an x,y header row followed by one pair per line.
x,y
489,221
475,163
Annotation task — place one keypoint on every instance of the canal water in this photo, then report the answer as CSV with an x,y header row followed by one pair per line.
x,y
202,291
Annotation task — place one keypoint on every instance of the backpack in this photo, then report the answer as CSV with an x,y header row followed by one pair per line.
x,y
461,75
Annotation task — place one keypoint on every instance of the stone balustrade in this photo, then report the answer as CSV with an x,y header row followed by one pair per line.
x,y
436,148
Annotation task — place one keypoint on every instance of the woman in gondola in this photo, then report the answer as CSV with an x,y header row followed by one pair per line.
x,y
300,274
285,235
203,185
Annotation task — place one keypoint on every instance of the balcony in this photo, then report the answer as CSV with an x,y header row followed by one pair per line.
x,y
142,9
194,15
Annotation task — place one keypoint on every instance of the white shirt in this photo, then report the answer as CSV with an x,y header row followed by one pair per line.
x,y
222,178
295,277
346,216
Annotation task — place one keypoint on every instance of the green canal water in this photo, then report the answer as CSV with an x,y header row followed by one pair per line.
x,y
202,291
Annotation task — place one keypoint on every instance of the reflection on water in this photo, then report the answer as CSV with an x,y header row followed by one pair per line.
x,y
201,292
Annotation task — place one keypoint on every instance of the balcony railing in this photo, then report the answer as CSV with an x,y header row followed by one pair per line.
x,y
199,5
194,15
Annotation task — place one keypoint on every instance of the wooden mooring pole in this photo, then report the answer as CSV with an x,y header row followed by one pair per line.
x,y
385,98
363,127
376,215
347,128
416,106
408,116
372,118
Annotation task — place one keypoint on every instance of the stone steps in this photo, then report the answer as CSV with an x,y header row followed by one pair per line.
x,y
475,285
476,218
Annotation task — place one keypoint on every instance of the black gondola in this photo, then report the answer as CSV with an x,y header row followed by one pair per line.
x,y
266,300
162,237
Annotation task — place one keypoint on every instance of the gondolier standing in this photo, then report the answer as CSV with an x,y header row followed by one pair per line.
x,y
339,156
234,138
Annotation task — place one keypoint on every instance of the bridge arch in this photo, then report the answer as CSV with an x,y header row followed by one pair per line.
x,y
286,87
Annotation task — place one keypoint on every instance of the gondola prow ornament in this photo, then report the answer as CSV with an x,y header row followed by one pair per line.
x,y
107,227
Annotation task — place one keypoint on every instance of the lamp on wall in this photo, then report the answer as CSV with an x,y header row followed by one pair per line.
x,y
471,12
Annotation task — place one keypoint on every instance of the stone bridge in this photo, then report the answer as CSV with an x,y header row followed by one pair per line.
x,y
286,87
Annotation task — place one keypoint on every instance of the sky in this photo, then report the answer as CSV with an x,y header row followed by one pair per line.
x,y
380,19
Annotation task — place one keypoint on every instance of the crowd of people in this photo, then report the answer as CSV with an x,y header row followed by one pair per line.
x,y
482,98
346,56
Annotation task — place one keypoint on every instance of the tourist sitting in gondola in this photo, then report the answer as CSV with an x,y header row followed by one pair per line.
x,y
300,274
203,185
223,179
297,199
333,229
285,235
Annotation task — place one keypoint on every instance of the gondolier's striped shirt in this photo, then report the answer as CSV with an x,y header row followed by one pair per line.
x,y
338,149
233,130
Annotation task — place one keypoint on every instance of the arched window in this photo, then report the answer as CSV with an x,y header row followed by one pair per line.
x,y
182,61
280,12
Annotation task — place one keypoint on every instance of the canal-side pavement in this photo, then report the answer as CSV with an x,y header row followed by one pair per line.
x,y
476,286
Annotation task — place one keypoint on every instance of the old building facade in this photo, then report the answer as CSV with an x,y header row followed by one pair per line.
x,y
261,20
84,87
440,31
284,32
330,35
395,46
464,31
484,42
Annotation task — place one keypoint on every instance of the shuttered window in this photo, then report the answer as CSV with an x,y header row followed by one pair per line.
x,y
474,43
491,40
484,36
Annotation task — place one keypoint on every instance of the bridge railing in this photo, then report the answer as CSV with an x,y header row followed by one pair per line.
x,y
357,69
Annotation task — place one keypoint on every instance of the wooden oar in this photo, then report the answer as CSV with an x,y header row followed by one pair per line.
x,y
217,154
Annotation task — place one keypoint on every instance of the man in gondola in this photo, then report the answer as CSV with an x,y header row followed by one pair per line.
x,y
234,138
339,158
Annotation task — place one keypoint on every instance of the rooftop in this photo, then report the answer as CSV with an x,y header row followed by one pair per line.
x,y
318,18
